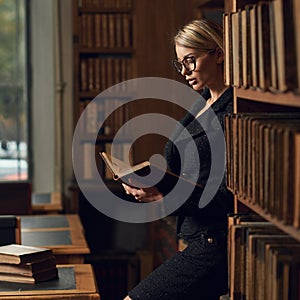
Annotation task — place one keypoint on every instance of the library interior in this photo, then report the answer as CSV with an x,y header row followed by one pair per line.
x,y
90,94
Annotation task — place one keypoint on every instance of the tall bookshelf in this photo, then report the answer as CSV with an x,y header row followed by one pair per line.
x,y
116,40
147,52
262,60
103,39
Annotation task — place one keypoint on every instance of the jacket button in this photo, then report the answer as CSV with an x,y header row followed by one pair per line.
x,y
210,240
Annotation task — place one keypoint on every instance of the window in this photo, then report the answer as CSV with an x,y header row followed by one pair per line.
x,y
13,91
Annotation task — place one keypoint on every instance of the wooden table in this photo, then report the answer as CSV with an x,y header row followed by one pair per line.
x,y
63,234
75,282
46,202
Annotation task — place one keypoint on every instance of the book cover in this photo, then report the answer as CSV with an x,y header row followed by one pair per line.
x,y
35,278
28,269
17,254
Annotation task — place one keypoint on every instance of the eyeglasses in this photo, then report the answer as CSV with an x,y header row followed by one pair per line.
x,y
189,62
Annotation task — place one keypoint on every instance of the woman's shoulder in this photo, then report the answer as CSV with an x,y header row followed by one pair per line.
x,y
225,102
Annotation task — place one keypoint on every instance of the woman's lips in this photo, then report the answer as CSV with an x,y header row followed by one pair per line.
x,y
192,81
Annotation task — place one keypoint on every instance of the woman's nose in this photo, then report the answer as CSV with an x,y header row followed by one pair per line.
x,y
184,71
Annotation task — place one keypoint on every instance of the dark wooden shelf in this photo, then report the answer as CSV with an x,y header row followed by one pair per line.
x,y
286,99
115,94
104,138
211,4
292,231
112,10
106,51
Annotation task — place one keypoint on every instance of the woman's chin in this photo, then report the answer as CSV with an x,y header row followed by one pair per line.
x,y
196,87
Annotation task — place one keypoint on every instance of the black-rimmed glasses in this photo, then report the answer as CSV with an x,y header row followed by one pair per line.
x,y
189,62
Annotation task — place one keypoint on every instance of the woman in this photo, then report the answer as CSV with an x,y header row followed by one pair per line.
x,y
200,271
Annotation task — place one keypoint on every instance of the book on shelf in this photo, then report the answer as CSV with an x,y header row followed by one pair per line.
x,y
99,73
18,254
228,47
238,227
261,44
285,53
261,161
263,33
255,251
105,30
254,46
236,48
296,14
273,62
246,54
296,221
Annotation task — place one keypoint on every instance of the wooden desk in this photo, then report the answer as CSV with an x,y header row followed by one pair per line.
x,y
63,234
74,282
46,202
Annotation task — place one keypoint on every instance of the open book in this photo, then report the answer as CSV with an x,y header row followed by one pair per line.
x,y
124,172
121,170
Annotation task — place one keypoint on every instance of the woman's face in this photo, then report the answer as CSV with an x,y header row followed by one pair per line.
x,y
207,68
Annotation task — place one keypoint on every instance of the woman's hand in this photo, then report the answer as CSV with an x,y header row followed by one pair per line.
x,y
143,195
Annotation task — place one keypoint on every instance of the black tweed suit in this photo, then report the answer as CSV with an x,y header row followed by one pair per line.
x,y
200,271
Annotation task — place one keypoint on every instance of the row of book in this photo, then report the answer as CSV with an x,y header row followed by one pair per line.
x,y
99,73
98,112
263,162
105,3
264,263
262,44
110,30
24,264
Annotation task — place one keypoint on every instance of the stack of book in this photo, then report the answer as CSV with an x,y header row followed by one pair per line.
x,y
24,264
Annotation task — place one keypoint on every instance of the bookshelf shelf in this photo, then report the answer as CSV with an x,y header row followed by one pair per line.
x,y
210,4
111,10
106,51
292,231
286,99
105,138
89,95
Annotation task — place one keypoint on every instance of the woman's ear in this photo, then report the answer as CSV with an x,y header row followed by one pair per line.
x,y
220,55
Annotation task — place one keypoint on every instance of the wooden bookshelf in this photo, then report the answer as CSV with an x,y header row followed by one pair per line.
x,y
257,169
210,4
117,40
292,231
285,99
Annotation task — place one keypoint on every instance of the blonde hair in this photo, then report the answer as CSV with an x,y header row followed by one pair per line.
x,y
200,34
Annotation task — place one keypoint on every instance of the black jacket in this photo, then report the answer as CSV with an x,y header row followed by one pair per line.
x,y
191,218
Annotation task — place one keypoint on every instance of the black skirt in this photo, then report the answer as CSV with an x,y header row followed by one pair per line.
x,y
199,272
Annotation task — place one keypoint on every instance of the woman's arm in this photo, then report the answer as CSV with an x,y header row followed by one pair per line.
x,y
143,195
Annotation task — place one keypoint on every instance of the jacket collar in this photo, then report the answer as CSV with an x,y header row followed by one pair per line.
x,y
192,126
